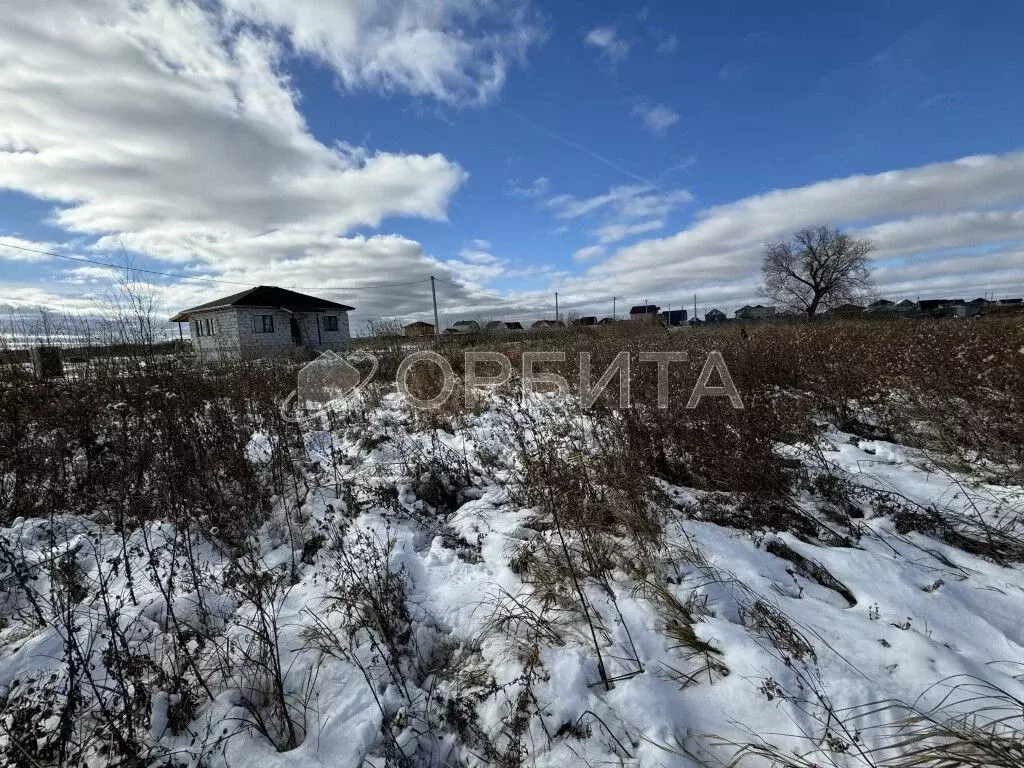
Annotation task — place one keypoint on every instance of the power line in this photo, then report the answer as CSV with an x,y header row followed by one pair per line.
x,y
84,260
474,290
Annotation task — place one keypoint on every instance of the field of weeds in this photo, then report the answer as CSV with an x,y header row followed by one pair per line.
x,y
830,575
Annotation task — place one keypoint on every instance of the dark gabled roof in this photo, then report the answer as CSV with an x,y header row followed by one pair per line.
x,y
265,296
644,309
418,323
515,325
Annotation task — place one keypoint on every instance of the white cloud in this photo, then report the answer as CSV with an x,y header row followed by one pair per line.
x,y
607,40
92,274
657,118
911,214
612,233
536,188
588,253
668,45
456,50
945,231
630,201
478,253
159,127
31,252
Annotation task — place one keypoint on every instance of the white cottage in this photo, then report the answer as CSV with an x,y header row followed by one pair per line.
x,y
265,321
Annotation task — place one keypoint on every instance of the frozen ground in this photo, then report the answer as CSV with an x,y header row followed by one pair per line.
x,y
405,641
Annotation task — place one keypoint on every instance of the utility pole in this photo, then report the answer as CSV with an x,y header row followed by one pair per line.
x,y
556,306
433,295
695,306
613,306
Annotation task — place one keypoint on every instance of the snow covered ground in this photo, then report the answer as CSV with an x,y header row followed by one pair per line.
x,y
405,635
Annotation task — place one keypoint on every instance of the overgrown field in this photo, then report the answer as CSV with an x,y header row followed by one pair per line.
x,y
831,575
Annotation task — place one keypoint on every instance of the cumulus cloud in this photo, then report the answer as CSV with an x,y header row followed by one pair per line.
x,y
628,201
668,45
164,128
928,223
608,42
612,233
456,51
14,248
534,189
478,252
657,119
139,119
589,253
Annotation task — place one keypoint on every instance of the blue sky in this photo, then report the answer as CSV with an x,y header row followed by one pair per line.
x,y
513,149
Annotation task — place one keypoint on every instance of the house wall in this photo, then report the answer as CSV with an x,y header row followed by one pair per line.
x,y
280,341
223,342
236,333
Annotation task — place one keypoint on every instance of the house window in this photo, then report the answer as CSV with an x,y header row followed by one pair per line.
x,y
263,323
205,327
331,323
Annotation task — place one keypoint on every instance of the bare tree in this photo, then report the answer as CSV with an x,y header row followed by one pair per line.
x,y
820,267
130,307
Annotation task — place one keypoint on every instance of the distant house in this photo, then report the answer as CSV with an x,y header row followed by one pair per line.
x,y
714,316
1011,302
548,324
674,317
756,312
419,328
644,312
906,307
498,326
969,309
882,307
940,307
464,326
501,325
588,320
606,321
265,321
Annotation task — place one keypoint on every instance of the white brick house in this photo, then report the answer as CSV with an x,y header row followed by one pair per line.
x,y
265,321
